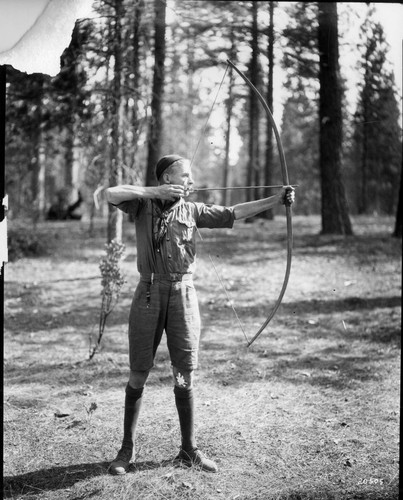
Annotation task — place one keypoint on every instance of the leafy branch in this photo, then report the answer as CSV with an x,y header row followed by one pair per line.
x,y
112,282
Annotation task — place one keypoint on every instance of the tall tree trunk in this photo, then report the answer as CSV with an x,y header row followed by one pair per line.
x,y
41,175
190,63
363,201
253,166
69,142
132,110
115,216
72,159
71,81
335,218
68,156
39,165
268,170
155,126
226,195
138,12
134,173
397,233
3,218
226,170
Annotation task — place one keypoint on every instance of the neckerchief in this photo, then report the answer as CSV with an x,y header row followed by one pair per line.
x,y
160,222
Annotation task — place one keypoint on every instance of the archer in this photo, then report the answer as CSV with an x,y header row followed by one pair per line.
x,y
165,298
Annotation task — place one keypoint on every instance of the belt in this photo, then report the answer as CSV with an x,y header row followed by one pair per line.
x,y
151,277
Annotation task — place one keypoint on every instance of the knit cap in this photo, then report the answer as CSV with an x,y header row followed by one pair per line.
x,y
164,163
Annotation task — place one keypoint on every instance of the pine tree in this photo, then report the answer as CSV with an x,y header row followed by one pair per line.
x,y
335,218
300,130
377,143
312,58
155,124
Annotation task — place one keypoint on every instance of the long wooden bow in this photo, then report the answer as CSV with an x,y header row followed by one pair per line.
x,y
287,207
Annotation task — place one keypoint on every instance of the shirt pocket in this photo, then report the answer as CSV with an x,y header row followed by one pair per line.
x,y
185,229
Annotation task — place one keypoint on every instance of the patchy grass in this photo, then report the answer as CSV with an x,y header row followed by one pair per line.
x,y
310,411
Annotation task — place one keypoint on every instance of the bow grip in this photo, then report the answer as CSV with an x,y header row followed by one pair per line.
x,y
288,189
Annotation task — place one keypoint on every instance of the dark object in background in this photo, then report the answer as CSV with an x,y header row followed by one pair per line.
x,y
59,211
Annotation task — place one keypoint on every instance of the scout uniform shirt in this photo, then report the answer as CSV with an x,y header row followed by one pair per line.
x,y
166,232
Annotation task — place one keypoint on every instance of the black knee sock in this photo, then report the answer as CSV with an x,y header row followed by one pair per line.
x,y
132,409
185,406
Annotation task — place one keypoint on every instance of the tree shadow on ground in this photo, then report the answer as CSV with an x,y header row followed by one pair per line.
x,y
298,311
80,316
336,371
108,372
272,360
60,478
342,305
53,479
336,365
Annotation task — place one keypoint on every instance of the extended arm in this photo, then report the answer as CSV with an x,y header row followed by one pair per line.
x,y
251,208
127,192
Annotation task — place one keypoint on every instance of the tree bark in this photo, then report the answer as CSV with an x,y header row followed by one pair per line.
x,y
226,195
254,167
363,201
39,166
397,233
155,126
115,216
226,169
135,121
335,218
3,208
268,169
70,60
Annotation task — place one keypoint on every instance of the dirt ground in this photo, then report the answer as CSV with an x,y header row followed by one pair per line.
x,y
310,411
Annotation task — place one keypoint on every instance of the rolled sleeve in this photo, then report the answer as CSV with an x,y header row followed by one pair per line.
x,y
214,216
132,207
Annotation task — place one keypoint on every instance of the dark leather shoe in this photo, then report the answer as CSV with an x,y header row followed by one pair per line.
x,y
121,463
195,458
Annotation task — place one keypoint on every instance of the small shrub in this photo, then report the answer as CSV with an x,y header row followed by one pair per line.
x,y
112,282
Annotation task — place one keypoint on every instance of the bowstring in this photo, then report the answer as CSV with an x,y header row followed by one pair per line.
x,y
225,289
209,115
198,231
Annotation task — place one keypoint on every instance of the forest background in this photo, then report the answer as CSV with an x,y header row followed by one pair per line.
x,y
139,80
311,410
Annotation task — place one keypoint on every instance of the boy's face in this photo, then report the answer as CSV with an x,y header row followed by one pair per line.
x,y
180,174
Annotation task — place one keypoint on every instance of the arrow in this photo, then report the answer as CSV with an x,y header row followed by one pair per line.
x,y
278,186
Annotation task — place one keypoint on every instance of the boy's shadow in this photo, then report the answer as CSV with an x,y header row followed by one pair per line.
x,y
60,478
